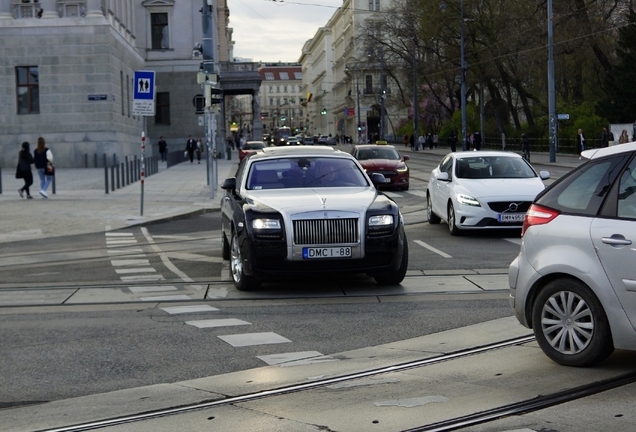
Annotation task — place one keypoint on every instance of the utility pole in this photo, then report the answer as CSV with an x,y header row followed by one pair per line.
x,y
416,133
209,79
551,91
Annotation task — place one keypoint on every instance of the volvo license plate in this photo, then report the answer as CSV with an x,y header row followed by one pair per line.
x,y
327,252
511,217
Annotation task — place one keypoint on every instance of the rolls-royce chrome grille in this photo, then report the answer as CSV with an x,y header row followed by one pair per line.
x,y
325,231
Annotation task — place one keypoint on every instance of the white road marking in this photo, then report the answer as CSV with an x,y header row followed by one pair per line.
x,y
417,193
136,270
432,249
166,298
120,243
516,241
188,309
109,234
227,322
130,262
184,256
164,257
154,277
158,288
249,339
124,251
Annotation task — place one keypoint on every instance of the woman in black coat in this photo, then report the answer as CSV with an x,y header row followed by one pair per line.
x,y
25,160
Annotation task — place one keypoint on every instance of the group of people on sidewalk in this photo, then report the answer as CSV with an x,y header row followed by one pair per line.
x,y
43,160
192,147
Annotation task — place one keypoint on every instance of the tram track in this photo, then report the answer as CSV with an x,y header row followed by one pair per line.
x,y
455,423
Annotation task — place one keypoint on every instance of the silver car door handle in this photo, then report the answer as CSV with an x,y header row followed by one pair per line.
x,y
616,240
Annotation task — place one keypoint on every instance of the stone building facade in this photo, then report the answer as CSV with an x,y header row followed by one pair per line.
x,y
68,67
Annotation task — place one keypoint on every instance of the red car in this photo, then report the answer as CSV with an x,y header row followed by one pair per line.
x,y
386,160
250,147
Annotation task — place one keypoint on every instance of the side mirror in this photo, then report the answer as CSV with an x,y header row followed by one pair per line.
x,y
406,157
229,184
544,175
378,179
442,176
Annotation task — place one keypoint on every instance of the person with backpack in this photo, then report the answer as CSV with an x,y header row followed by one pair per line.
x,y
23,171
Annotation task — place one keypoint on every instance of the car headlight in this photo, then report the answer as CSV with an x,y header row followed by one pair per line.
x,y
402,168
468,200
382,220
266,224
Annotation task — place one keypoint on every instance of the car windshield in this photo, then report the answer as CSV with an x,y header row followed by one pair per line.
x,y
304,172
253,146
490,167
378,153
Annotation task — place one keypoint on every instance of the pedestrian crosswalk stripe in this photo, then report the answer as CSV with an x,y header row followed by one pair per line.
x,y
138,278
167,298
158,288
130,262
393,194
109,234
516,241
136,270
249,339
418,193
227,322
124,251
188,309
432,249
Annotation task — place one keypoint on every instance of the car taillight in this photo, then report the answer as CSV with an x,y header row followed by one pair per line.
x,y
537,215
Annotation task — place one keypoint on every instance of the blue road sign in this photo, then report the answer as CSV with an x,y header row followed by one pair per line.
x,y
144,85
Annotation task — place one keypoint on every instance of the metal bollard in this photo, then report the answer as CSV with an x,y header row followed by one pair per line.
x,y
95,159
135,172
112,178
123,177
85,160
0,180
117,172
106,178
114,158
105,163
127,171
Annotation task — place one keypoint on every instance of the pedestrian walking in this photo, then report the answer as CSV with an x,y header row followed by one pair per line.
x,y
429,140
580,140
23,171
477,140
435,140
405,140
452,141
605,138
190,148
199,148
623,138
525,147
43,159
163,148
420,142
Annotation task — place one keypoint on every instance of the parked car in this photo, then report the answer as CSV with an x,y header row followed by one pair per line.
x,y
322,140
331,141
574,281
482,190
386,160
308,140
298,211
250,147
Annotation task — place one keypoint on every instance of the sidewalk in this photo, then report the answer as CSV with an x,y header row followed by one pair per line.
x,y
80,204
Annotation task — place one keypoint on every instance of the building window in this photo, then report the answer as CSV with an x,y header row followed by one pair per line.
x,y
298,75
377,5
271,89
277,89
28,90
278,101
285,89
162,115
271,101
283,75
159,30
269,75
368,84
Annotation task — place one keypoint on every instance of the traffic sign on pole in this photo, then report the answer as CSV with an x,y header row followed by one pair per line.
x,y
144,93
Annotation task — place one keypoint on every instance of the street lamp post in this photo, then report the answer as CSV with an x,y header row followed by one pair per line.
x,y
355,67
462,72
415,107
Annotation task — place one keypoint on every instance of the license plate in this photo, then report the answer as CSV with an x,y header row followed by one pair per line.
x,y
326,252
511,217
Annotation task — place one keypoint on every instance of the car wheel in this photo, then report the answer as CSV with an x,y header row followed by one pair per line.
x,y
433,219
225,248
570,324
242,281
394,277
452,223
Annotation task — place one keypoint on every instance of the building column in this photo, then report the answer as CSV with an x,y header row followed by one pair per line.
x,y
257,123
94,9
5,9
48,9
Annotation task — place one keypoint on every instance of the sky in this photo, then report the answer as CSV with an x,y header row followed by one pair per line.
x,y
272,31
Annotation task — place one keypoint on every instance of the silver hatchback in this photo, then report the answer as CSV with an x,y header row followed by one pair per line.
x,y
574,281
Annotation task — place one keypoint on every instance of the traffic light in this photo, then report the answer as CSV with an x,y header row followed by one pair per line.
x,y
324,111
209,100
359,127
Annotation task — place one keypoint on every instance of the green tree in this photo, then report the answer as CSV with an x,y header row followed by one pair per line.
x,y
620,104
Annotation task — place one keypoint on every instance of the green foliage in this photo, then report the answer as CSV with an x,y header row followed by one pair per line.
x,y
582,116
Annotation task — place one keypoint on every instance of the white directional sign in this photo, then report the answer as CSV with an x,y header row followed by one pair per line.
x,y
563,116
144,93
